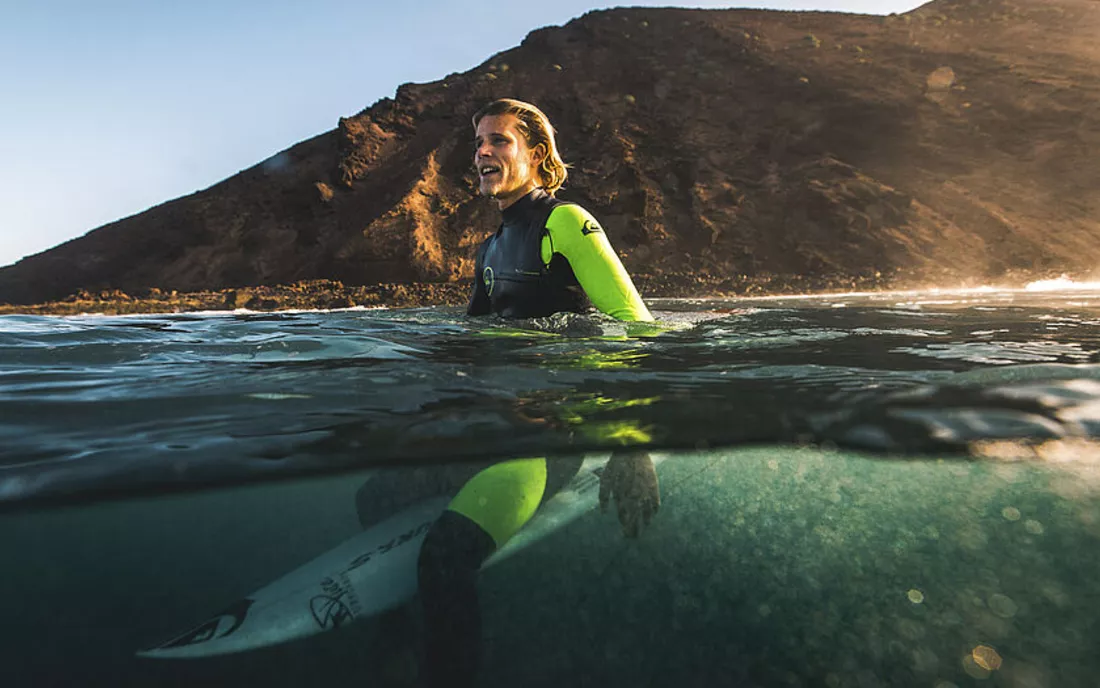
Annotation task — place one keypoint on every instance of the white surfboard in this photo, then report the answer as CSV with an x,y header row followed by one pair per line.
x,y
368,574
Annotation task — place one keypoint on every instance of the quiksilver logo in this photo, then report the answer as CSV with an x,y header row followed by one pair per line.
x,y
590,227
488,279
220,626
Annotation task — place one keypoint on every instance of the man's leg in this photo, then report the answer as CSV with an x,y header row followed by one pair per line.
x,y
386,492
489,510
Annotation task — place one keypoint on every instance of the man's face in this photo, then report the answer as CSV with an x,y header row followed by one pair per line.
x,y
507,169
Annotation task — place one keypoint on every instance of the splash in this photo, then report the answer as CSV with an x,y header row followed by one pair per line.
x,y
1062,283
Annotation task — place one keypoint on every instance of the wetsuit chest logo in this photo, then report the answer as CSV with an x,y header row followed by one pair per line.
x,y
488,279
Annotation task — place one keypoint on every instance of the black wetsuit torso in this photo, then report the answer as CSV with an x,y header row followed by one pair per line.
x,y
511,280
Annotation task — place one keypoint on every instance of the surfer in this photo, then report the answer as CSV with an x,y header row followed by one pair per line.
x,y
548,256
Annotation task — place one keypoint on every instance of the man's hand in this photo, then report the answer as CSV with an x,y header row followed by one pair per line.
x,y
630,478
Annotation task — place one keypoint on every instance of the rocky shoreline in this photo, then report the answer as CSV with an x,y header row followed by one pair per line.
x,y
330,294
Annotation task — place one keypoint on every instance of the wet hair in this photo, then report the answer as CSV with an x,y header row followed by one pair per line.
x,y
536,129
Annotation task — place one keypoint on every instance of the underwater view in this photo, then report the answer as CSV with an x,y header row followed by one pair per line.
x,y
883,489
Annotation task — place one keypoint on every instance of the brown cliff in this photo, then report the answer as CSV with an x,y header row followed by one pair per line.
x,y
958,141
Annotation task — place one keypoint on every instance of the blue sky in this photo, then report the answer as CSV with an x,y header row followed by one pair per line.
x,y
111,107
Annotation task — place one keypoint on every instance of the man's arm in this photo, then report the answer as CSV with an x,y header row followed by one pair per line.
x,y
574,233
479,300
629,479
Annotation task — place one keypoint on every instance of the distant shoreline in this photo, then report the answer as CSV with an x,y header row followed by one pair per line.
x,y
329,294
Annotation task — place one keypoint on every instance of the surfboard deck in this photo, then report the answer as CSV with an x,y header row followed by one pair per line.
x,y
368,574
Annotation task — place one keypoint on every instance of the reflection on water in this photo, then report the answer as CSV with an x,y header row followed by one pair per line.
x,y
765,566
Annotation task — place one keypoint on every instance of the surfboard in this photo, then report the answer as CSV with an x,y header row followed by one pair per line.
x,y
370,573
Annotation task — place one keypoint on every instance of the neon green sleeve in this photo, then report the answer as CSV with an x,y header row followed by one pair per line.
x,y
575,234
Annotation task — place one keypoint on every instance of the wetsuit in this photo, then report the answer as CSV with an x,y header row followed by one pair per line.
x,y
550,256
547,256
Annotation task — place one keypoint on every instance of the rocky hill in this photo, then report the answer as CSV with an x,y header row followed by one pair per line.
x,y
958,141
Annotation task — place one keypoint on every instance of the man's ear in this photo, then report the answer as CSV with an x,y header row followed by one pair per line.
x,y
538,154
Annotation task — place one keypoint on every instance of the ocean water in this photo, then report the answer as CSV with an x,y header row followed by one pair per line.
x,y
859,490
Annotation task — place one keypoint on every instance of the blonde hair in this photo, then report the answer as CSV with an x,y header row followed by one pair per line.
x,y
536,129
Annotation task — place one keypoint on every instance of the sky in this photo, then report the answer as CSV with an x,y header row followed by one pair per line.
x,y
108,108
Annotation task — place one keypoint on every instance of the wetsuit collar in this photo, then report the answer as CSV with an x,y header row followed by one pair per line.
x,y
522,206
